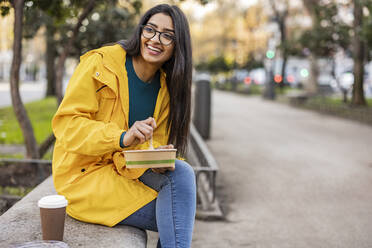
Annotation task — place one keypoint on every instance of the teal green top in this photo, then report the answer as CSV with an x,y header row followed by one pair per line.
x,y
142,95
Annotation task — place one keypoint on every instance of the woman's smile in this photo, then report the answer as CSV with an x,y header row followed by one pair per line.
x,y
153,50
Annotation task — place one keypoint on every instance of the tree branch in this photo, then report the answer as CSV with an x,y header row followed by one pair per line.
x,y
43,148
62,58
18,107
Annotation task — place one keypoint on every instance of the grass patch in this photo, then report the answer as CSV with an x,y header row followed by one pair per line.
x,y
335,106
336,101
286,90
14,155
48,155
18,191
255,89
40,113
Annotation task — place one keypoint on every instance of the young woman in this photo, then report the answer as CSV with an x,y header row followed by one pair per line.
x,y
118,98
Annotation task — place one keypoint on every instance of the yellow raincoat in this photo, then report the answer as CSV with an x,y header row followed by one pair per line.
x,y
88,163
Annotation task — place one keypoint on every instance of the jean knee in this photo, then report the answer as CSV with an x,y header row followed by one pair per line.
x,y
184,169
183,176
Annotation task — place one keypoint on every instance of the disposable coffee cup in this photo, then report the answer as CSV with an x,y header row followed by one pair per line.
x,y
52,214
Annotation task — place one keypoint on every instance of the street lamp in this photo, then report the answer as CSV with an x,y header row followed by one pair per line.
x,y
269,92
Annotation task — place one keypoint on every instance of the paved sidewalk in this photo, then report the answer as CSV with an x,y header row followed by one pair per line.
x,y
12,149
288,177
29,91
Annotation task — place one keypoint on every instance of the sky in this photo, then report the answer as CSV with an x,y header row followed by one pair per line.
x,y
199,11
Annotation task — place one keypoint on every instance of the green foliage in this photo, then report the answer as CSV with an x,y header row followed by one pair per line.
x,y
12,155
293,46
4,7
252,89
285,90
222,64
40,113
215,64
107,23
113,23
18,191
256,89
367,28
38,12
33,19
333,101
252,64
47,156
60,10
328,33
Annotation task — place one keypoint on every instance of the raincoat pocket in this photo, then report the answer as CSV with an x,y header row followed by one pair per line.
x,y
106,104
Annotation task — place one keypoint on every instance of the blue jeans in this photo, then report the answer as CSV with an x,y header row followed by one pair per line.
x,y
172,213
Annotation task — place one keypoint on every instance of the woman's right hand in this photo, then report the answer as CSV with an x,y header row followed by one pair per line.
x,y
139,132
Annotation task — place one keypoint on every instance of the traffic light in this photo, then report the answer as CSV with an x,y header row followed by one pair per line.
x,y
278,78
247,80
304,72
270,54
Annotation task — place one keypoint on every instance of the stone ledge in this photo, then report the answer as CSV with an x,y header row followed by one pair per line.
x,y
21,223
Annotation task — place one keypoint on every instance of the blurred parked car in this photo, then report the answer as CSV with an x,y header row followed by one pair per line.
x,y
258,76
346,81
240,75
326,84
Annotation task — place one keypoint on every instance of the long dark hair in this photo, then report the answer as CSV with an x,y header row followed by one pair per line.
x,y
178,70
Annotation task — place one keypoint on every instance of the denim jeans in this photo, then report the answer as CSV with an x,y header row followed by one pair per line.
x,y
172,213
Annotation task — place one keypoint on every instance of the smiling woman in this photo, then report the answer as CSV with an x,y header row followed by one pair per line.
x,y
155,49
121,97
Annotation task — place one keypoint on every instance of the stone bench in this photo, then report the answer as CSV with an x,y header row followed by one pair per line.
x,y
21,223
297,98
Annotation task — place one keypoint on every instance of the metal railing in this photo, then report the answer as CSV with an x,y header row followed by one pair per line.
x,y
206,168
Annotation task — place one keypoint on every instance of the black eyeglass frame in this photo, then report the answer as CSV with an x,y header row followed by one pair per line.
x,y
155,32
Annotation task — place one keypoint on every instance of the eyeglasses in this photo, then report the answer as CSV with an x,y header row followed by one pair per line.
x,y
165,38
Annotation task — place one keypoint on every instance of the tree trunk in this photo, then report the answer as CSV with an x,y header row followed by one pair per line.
x,y
280,18
283,40
46,144
50,59
358,55
62,57
284,66
19,109
312,84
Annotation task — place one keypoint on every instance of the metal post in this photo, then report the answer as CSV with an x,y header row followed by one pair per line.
x,y
202,108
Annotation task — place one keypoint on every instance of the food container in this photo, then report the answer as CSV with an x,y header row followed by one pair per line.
x,y
153,158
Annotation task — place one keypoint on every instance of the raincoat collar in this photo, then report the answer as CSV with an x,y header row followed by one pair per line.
x,y
114,58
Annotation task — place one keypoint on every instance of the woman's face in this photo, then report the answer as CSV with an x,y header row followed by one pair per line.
x,y
157,49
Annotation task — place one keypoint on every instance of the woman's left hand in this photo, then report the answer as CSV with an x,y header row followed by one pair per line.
x,y
170,146
163,170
